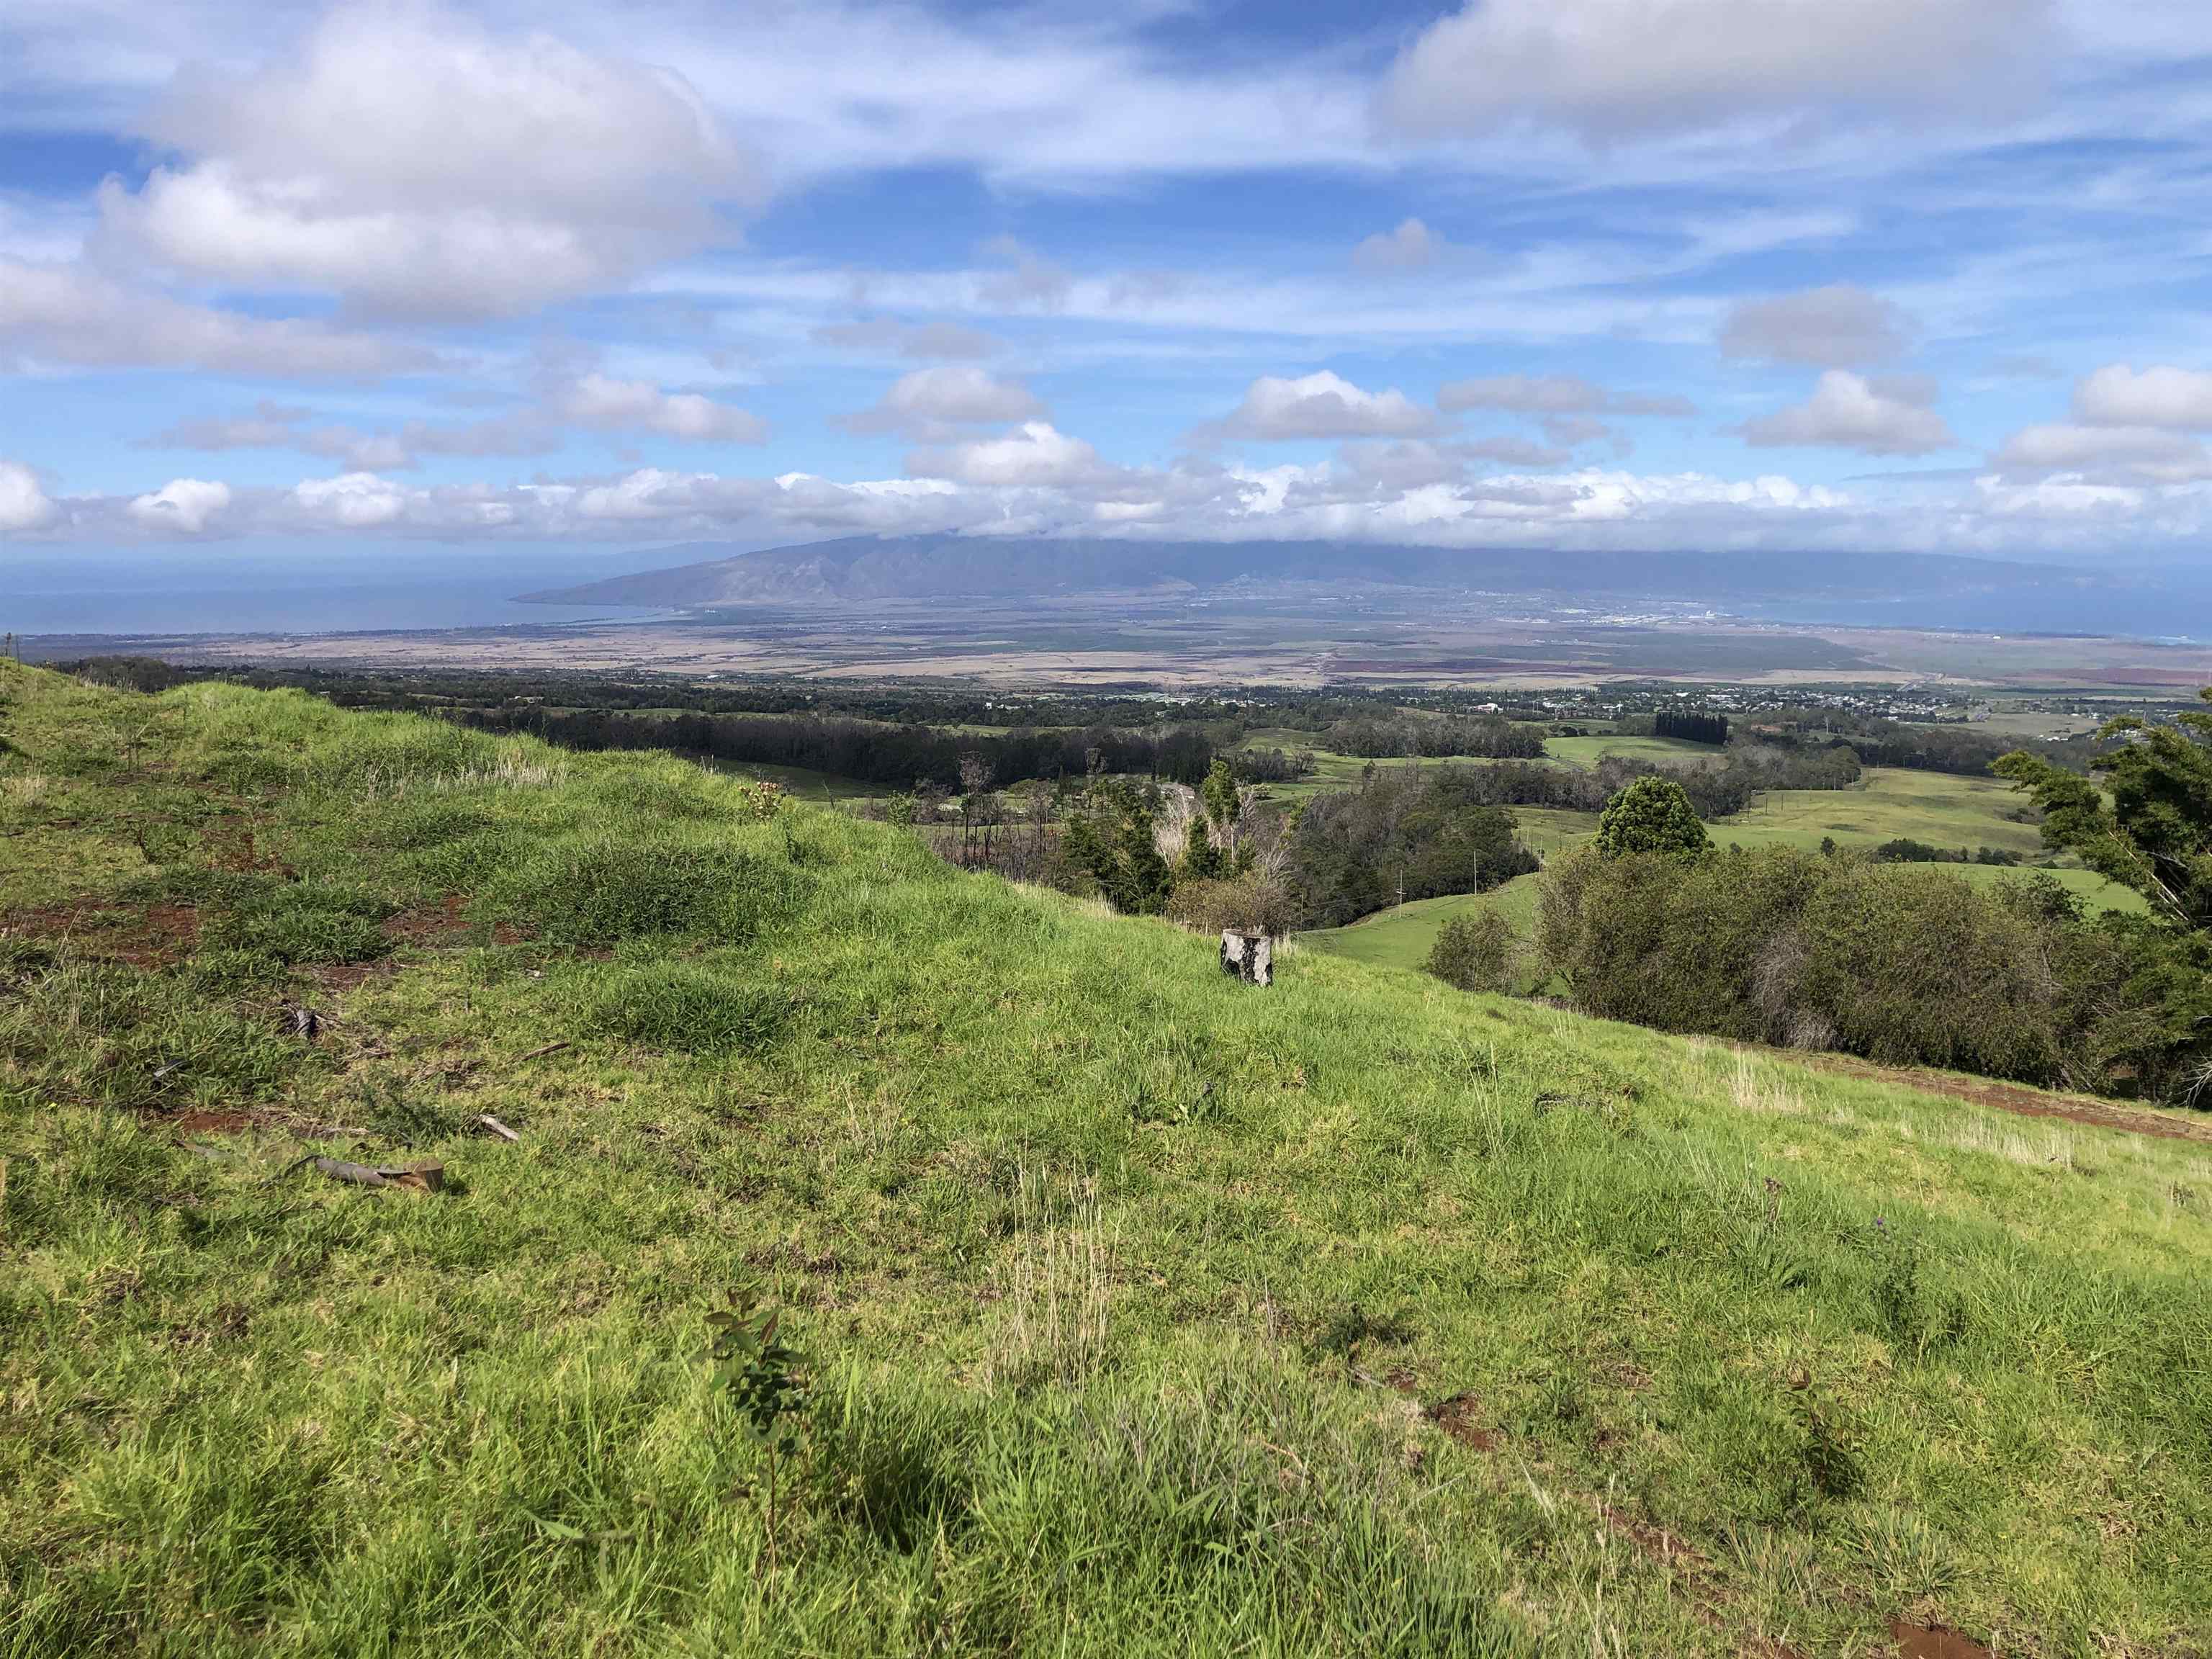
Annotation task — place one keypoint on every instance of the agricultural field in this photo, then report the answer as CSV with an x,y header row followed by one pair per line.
x,y
1120,1308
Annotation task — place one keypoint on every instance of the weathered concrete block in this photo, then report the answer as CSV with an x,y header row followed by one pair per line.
x,y
1248,956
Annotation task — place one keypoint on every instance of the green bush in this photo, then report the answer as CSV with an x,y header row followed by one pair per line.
x,y
1905,965
1474,952
1651,815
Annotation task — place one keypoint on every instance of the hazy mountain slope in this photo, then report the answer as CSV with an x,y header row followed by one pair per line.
x,y
932,566
1144,1314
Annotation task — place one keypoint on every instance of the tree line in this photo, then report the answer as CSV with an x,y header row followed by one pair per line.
x,y
1907,963
901,756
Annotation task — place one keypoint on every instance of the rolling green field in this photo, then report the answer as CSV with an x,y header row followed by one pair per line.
x,y
1935,807
1587,752
1139,1312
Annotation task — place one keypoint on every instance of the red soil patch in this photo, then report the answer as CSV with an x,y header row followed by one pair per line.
x,y
1933,1642
2014,1098
1460,1417
212,1123
157,937
436,925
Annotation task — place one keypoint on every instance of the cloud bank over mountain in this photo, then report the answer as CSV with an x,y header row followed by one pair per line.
x,y
1743,274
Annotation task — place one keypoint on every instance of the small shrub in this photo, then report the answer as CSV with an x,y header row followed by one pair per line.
x,y
1250,904
1475,951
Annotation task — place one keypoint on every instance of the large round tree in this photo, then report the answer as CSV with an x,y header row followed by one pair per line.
x,y
1652,815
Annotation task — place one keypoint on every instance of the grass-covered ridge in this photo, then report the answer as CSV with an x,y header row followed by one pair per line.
x,y
1144,1313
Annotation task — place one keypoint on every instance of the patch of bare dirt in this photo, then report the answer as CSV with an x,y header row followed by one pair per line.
x,y
1460,1417
158,937
1933,1642
433,924
211,1123
2014,1098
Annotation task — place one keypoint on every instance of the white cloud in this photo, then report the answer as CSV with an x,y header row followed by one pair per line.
x,y
2146,455
1319,405
2179,400
1839,326
1408,247
414,163
182,506
1847,411
71,314
23,503
928,403
1038,456
352,501
610,405
1625,68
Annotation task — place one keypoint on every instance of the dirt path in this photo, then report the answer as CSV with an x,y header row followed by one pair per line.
x,y
2014,1098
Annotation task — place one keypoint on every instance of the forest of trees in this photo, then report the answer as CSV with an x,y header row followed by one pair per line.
x,y
1405,834
1690,725
899,756
1490,737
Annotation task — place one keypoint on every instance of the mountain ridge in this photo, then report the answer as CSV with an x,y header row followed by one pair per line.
x,y
867,567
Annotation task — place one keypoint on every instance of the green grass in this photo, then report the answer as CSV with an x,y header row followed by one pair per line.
x,y
1935,807
806,784
1124,1288
1402,936
1587,752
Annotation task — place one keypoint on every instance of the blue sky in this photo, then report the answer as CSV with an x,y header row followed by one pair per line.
x,y
1778,273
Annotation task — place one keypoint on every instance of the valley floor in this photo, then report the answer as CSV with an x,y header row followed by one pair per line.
x,y
1142,1313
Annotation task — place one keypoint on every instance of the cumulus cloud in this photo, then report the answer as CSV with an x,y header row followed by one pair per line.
x,y
1036,456
352,501
23,503
2176,399
1408,247
611,405
929,404
181,507
888,337
1839,326
71,314
1319,405
416,164
2138,453
1628,68
1885,416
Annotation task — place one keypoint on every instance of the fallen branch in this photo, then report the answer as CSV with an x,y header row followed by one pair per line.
x,y
491,1125
540,1054
421,1175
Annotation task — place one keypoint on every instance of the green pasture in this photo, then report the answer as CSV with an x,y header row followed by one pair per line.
x,y
1134,1311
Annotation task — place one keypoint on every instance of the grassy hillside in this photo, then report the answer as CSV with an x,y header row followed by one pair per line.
x,y
1144,1313
1402,936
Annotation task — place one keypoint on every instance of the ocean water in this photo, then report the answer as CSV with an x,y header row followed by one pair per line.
x,y
41,594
